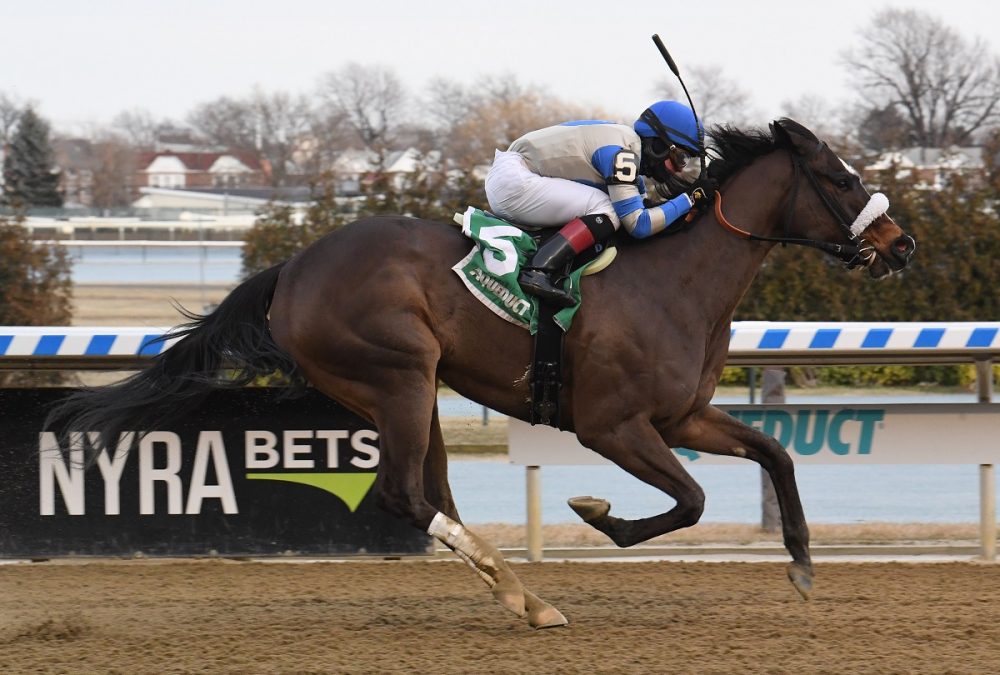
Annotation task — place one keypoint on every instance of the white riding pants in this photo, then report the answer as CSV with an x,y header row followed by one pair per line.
x,y
516,192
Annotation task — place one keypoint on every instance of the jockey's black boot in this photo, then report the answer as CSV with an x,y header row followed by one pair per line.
x,y
552,259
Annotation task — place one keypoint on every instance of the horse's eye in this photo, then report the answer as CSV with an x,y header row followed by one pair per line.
x,y
842,183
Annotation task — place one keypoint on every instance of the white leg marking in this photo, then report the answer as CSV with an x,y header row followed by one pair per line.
x,y
454,535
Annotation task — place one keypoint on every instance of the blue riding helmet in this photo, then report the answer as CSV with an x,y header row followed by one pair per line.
x,y
673,123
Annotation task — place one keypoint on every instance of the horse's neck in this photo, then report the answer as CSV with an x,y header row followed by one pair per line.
x,y
712,256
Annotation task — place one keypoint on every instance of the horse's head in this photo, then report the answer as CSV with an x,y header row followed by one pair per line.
x,y
830,206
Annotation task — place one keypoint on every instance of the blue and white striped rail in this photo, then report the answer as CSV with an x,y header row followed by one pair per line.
x,y
96,347
770,342
751,343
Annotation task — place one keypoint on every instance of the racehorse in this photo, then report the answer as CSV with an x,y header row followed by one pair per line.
x,y
372,316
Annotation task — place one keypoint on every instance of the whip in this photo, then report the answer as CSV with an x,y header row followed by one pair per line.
x,y
673,68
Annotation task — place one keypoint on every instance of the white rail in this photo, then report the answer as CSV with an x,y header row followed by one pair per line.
x,y
751,343
143,243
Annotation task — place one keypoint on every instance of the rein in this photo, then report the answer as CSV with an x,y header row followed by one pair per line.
x,y
855,254
840,251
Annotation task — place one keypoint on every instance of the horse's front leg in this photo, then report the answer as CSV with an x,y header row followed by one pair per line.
x,y
637,447
713,431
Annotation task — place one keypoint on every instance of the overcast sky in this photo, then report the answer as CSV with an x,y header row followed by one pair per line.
x,y
84,62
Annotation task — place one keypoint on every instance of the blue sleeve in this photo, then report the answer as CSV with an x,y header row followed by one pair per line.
x,y
658,218
603,160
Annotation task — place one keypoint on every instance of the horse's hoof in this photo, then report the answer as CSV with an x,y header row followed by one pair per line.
x,y
510,594
802,578
590,508
547,617
541,614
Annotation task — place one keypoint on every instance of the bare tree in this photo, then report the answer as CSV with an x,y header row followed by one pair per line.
x,y
473,122
98,168
717,98
226,122
946,87
827,120
282,122
137,126
268,126
836,123
510,109
446,102
114,171
328,135
372,101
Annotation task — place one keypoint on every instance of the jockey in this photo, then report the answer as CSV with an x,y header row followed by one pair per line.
x,y
589,175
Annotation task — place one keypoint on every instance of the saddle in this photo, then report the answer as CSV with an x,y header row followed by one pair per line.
x,y
546,369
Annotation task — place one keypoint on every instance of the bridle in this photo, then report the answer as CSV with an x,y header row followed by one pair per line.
x,y
858,253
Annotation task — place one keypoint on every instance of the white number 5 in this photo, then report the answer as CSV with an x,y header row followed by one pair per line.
x,y
625,169
501,257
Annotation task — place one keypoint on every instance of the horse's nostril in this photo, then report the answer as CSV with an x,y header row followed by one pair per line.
x,y
903,247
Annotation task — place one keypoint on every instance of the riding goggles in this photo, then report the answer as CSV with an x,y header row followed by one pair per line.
x,y
679,157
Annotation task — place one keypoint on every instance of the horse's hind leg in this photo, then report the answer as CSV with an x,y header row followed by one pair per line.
x,y
712,430
540,613
403,413
436,485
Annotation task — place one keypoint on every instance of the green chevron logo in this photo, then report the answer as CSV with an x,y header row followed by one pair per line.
x,y
349,488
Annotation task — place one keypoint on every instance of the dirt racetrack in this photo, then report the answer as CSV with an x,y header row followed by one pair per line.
x,y
434,617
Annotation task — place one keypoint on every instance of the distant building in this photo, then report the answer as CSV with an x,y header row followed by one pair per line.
x,y
933,168
200,170
354,167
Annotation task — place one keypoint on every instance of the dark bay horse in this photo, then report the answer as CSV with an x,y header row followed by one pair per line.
x,y
372,315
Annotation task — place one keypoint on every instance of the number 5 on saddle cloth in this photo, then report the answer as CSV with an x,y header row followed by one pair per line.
x,y
490,273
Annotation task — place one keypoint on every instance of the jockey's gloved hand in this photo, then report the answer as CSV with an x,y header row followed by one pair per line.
x,y
702,192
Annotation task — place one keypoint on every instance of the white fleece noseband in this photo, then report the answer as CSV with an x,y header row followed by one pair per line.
x,y
877,205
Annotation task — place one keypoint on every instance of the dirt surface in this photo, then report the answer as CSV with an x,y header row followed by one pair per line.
x,y
423,617
138,305
510,535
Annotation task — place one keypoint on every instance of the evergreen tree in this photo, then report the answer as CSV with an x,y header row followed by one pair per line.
x,y
35,290
29,180
35,285
280,233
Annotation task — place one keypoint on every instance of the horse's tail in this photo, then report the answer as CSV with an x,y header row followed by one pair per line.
x,y
228,347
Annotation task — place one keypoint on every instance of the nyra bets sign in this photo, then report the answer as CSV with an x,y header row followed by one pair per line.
x,y
247,474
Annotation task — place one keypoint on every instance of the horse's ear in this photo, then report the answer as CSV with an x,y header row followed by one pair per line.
x,y
790,134
781,136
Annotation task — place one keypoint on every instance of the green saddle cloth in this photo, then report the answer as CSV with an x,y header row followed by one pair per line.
x,y
491,268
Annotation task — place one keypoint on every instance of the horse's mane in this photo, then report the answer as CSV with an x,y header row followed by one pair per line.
x,y
736,148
